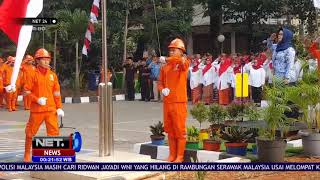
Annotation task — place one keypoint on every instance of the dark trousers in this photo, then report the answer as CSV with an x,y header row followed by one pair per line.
x,y
188,90
256,94
130,90
145,89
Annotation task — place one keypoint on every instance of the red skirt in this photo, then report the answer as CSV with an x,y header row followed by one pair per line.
x,y
208,94
224,96
196,94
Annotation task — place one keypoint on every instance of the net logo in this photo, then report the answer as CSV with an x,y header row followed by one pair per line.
x,y
52,142
53,149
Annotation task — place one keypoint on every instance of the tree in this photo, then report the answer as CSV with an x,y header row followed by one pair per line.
x,y
174,21
251,12
71,28
214,9
305,11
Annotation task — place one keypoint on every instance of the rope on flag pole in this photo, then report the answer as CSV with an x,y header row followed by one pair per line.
x,y
93,20
157,28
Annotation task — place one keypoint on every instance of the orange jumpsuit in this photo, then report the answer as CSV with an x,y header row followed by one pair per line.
x,y
2,91
44,83
109,75
173,76
28,73
3,96
316,53
11,98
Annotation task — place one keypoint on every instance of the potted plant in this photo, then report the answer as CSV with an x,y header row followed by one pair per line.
x,y
157,137
216,116
235,112
251,112
254,149
306,96
270,147
200,113
236,138
214,142
192,138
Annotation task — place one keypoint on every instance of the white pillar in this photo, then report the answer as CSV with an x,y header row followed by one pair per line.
x,y
233,42
190,44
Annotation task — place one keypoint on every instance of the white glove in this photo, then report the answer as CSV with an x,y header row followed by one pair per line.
x,y
42,101
60,112
10,88
162,59
165,91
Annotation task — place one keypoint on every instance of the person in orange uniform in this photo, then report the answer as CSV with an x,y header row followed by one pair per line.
x,y
2,95
173,85
3,70
11,97
109,75
28,73
44,91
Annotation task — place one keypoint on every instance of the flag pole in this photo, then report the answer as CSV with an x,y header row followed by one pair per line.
x,y
104,40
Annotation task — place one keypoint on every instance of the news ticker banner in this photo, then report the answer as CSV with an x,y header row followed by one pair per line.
x,y
159,166
53,149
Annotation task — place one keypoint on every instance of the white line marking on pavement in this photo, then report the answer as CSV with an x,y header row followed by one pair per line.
x,y
131,122
13,139
146,132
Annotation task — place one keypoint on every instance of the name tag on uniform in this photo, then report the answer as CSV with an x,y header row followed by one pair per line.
x,y
51,77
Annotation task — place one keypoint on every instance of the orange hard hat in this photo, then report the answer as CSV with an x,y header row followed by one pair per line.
x,y
28,58
177,43
42,53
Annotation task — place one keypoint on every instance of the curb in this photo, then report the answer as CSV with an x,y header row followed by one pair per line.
x,y
295,143
162,153
91,99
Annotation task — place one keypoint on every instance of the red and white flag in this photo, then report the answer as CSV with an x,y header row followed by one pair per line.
x,y
93,19
20,34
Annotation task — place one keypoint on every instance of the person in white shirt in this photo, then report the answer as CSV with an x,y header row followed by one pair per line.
x,y
195,81
298,71
225,72
208,77
267,66
313,64
257,79
215,64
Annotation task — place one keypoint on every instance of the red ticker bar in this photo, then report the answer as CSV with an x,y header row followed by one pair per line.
x,y
53,152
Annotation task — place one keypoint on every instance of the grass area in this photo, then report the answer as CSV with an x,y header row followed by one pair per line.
x,y
293,152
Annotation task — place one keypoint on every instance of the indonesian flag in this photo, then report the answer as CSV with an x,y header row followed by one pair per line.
x,y
93,19
20,34
316,3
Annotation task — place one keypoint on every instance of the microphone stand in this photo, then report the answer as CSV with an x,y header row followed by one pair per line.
x,y
242,103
